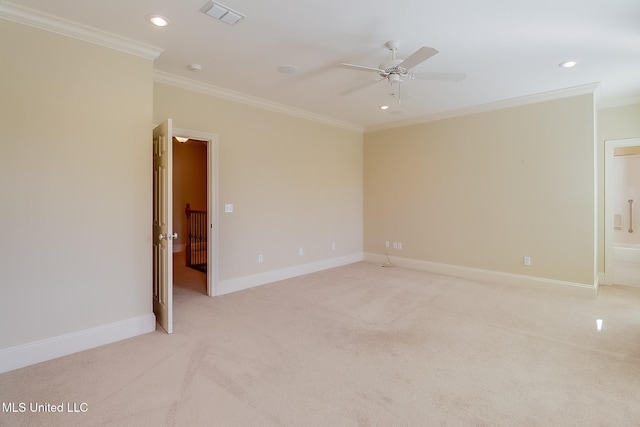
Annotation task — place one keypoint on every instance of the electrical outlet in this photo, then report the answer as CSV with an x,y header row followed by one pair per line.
x,y
333,246
527,260
395,245
228,207
300,251
260,258
386,244
399,245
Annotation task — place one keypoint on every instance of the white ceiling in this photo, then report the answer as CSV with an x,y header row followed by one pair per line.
x,y
507,48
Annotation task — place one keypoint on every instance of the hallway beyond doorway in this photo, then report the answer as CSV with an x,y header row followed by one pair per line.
x,y
186,277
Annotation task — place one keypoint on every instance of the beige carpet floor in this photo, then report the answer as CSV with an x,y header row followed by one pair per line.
x,y
358,345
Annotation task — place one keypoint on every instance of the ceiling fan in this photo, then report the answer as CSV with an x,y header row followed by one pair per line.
x,y
394,70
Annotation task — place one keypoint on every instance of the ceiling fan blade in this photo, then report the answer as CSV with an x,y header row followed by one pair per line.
x,y
450,77
362,68
360,86
418,56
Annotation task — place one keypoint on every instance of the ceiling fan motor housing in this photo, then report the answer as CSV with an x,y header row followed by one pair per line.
x,y
390,65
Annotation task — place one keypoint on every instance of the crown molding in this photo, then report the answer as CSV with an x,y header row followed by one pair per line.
x,y
219,92
32,18
590,88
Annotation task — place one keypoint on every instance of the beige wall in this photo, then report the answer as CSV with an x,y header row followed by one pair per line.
x,y
293,183
485,190
480,191
189,185
75,184
619,122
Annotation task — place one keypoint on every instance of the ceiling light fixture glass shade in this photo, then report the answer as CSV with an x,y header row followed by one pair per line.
x,y
158,20
181,139
384,107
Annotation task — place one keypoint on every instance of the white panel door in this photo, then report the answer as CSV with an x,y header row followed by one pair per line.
x,y
162,224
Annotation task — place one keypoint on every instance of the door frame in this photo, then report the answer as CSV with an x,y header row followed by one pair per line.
x,y
609,146
211,140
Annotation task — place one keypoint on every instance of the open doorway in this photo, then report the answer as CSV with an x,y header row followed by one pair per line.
x,y
190,213
194,201
622,230
163,207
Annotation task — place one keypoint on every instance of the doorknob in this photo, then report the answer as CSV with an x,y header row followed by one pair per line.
x,y
168,236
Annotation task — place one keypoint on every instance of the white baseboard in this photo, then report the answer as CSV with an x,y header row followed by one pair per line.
x,y
486,275
626,273
51,348
246,282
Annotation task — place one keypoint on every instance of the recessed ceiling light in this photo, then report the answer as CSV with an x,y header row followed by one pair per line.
x,y
287,69
568,64
384,107
195,67
158,20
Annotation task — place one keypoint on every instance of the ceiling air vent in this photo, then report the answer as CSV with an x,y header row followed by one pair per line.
x,y
222,12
